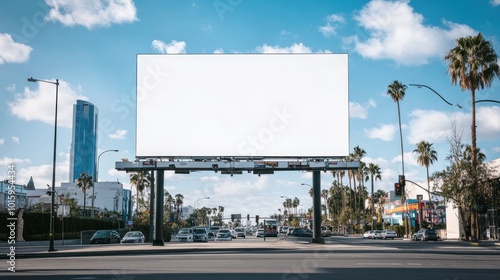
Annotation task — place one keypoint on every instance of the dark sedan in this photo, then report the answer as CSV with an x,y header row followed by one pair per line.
x,y
301,232
105,237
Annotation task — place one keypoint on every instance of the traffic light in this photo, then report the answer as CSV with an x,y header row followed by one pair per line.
x,y
397,189
248,217
257,219
402,181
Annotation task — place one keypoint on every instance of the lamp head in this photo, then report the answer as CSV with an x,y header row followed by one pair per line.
x,y
31,79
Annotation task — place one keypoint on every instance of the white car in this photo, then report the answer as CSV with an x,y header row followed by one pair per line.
x,y
389,233
260,233
185,235
224,235
200,234
377,234
368,234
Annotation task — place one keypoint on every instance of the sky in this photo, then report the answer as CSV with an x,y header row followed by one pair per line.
x,y
92,46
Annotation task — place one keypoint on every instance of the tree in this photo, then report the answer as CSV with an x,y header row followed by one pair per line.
x,y
426,156
397,92
141,180
473,65
179,201
374,173
84,182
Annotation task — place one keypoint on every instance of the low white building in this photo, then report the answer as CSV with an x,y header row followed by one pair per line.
x,y
108,196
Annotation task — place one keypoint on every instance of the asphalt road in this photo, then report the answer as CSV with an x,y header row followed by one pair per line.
x,y
340,258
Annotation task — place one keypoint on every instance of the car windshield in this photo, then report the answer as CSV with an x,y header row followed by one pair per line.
x,y
431,231
102,233
199,230
239,229
224,231
184,231
132,234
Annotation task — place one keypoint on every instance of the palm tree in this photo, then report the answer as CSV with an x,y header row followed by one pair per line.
x,y
397,92
84,182
373,171
357,153
140,180
324,195
473,65
179,201
426,156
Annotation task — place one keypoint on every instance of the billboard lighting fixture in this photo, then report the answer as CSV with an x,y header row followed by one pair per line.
x,y
181,171
215,166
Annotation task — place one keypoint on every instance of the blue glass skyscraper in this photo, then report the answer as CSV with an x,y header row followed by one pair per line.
x,y
84,141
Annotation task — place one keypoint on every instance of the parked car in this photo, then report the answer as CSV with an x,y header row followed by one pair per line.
x,y
248,231
284,229
376,234
224,235
240,232
211,235
200,234
302,232
106,236
290,229
260,232
368,234
389,233
133,237
185,235
425,235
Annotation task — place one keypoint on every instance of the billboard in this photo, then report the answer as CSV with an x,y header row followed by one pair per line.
x,y
242,105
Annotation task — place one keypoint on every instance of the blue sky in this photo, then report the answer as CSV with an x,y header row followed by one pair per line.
x,y
91,47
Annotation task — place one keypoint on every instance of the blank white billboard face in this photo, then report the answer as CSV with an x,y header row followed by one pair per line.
x,y
244,105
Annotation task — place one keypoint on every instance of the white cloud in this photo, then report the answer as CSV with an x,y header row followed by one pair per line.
x,y
396,32
495,2
385,132
15,139
488,126
208,28
174,46
435,126
357,110
91,13
8,161
2,141
219,50
210,179
295,48
330,28
119,134
285,32
39,105
12,52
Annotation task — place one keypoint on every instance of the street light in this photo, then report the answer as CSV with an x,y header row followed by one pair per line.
x,y
53,191
477,101
194,205
96,172
420,86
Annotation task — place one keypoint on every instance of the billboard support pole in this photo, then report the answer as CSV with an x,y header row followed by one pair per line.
x,y
317,208
152,206
158,225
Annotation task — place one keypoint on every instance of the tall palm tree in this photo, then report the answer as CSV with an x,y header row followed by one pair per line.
x,y
84,182
324,195
358,153
426,156
141,180
373,171
397,91
179,201
295,204
473,65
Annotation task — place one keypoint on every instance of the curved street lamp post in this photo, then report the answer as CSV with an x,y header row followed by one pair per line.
x,y
96,172
53,190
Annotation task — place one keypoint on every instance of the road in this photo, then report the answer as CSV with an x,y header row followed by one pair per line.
x,y
340,258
